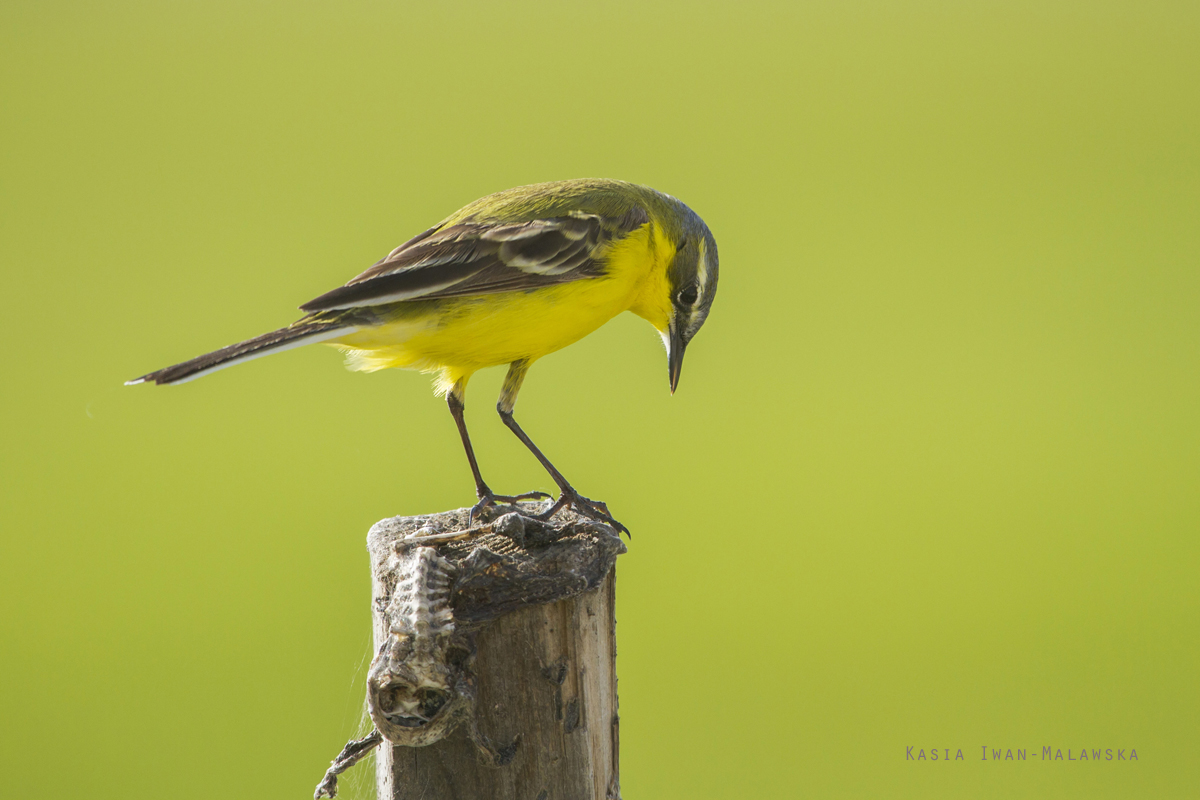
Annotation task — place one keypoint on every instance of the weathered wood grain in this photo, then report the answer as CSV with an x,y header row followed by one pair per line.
x,y
544,672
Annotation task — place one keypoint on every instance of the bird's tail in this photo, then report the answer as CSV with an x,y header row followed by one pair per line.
x,y
297,335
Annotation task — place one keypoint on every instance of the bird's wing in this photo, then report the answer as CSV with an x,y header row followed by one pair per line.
x,y
473,257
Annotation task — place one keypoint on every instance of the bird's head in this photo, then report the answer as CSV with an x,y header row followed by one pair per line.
x,y
692,282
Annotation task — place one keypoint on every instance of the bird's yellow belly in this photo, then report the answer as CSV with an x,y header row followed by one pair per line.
x,y
458,336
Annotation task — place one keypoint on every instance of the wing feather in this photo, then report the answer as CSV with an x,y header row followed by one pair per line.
x,y
473,258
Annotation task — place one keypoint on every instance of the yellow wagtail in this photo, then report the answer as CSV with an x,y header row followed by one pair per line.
x,y
506,280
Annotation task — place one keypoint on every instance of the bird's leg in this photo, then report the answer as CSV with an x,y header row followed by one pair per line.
x,y
351,754
568,497
454,399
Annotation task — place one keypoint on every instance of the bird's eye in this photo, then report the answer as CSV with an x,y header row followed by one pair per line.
x,y
688,296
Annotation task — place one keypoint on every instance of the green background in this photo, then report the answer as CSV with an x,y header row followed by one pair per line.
x,y
930,478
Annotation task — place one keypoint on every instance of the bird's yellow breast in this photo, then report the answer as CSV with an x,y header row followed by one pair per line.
x,y
457,336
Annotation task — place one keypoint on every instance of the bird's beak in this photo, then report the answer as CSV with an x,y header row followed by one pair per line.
x,y
676,344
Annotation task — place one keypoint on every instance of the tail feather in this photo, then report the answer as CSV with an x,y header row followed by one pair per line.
x,y
273,342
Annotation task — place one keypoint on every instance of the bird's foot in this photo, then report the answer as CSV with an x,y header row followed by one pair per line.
x,y
593,509
488,500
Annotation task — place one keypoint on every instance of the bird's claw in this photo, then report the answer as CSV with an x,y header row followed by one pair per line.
x,y
487,500
594,509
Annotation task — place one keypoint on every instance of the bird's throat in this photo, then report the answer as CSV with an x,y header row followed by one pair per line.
x,y
653,301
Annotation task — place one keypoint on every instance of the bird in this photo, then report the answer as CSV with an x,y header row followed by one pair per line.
x,y
505,280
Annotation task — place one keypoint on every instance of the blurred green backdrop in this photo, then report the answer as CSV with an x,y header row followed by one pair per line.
x,y
930,479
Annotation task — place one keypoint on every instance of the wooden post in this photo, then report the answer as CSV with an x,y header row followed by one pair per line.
x,y
547,674
532,714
